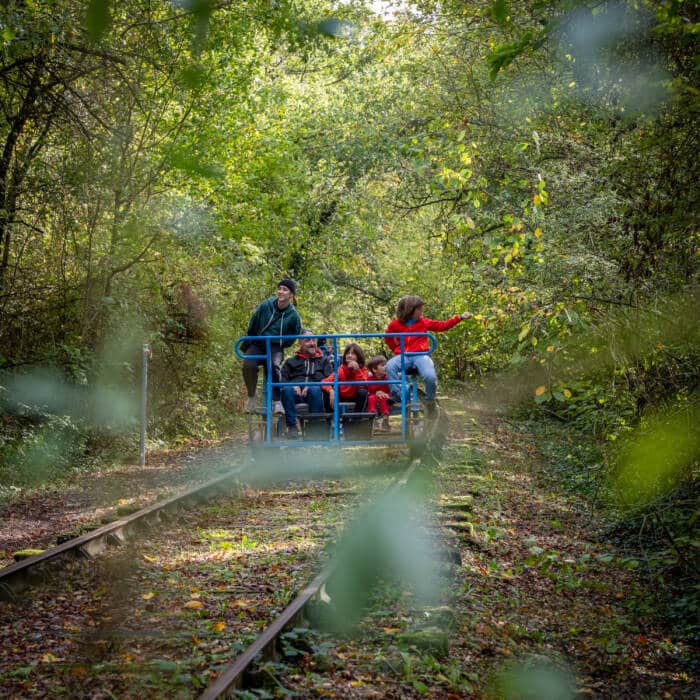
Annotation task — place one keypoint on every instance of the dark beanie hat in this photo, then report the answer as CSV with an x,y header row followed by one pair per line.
x,y
290,284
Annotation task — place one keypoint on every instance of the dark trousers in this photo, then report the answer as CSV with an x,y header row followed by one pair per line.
x,y
250,368
360,400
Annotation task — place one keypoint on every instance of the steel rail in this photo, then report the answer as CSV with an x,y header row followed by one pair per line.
x,y
16,577
232,675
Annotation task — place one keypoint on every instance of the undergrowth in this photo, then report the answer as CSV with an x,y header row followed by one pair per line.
x,y
659,537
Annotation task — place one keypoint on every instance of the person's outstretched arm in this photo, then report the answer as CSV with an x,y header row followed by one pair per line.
x,y
439,326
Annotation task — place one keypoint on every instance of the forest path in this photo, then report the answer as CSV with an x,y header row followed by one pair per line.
x,y
542,597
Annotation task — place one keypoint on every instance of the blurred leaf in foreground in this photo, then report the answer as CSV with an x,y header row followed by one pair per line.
x,y
657,455
535,678
97,19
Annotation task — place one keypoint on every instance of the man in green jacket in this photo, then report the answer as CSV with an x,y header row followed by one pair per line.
x,y
274,316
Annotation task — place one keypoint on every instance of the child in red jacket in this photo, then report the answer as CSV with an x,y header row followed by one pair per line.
x,y
379,394
352,369
409,318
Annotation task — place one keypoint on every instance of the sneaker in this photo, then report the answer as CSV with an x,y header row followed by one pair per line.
x,y
430,409
381,425
251,405
292,432
277,408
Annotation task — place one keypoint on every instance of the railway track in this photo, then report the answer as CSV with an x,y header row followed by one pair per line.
x,y
243,671
191,584
153,616
17,577
265,645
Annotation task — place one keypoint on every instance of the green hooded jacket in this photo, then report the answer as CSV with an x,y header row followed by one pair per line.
x,y
269,320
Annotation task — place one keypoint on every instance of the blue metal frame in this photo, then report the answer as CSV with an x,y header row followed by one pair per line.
x,y
408,390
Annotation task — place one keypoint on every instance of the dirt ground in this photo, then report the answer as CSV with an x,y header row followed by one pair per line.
x,y
90,498
543,605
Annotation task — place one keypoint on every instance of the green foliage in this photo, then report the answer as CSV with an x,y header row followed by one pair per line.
x,y
37,451
533,164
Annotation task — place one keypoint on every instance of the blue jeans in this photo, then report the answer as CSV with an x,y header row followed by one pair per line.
x,y
290,399
426,369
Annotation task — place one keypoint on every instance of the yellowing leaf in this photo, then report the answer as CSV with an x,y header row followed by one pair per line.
x,y
538,232
524,331
550,348
194,605
240,603
572,83
566,393
148,596
391,630
147,558
537,199
219,626
49,658
540,390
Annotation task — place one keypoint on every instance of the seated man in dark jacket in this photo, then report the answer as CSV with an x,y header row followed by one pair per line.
x,y
309,364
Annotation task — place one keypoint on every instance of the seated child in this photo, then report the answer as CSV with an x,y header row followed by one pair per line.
x,y
379,394
409,318
352,369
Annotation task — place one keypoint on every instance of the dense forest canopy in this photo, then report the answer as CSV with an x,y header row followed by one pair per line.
x,y
164,163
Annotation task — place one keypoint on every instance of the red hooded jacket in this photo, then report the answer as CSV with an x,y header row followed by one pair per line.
x,y
379,386
347,375
423,325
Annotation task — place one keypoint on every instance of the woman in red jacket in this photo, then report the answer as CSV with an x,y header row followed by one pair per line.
x,y
352,369
409,318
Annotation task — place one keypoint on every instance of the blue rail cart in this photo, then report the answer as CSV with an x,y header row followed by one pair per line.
x,y
340,426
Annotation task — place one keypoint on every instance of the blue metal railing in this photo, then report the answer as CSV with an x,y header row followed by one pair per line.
x,y
269,340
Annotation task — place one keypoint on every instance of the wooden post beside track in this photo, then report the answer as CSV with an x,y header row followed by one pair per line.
x,y
144,403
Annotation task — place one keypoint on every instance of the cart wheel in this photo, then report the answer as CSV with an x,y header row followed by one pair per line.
x,y
416,449
417,425
256,430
